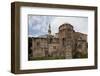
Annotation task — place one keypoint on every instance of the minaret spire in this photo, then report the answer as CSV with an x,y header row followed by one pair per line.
x,y
49,30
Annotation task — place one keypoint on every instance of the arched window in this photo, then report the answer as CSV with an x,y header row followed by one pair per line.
x,y
54,47
63,41
38,43
69,29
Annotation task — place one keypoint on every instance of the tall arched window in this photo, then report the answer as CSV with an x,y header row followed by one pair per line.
x,y
63,41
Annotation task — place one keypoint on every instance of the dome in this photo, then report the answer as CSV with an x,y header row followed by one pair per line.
x,y
65,26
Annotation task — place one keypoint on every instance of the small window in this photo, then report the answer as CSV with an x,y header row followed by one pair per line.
x,y
63,41
54,47
38,44
80,46
69,29
80,38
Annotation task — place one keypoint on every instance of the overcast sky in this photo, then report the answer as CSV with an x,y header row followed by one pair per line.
x,y
38,25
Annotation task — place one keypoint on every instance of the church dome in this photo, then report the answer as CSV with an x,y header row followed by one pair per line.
x,y
66,26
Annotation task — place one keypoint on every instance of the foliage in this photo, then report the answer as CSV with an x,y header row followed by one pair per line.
x,y
46,58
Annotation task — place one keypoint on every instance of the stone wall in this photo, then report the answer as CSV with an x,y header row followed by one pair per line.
x,y
66,43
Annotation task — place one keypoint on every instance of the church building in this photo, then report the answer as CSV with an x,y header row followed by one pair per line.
x,y
66,44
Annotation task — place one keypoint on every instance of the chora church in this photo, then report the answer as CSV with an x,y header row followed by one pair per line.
x,y
66,44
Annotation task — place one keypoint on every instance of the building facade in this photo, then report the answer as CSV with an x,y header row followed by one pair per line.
x,y
66,44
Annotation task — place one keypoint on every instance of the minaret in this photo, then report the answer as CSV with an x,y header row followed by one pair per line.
x,y
49,35
49,30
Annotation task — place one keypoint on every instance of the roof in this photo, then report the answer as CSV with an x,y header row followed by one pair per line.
x,y
65,24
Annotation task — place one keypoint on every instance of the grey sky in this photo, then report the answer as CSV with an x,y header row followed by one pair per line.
x,y
38,25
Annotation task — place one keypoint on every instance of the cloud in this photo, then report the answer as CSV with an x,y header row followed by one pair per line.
x,y
38,25
80,24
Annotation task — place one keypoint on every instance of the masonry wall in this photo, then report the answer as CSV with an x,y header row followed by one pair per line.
x,y
67,43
